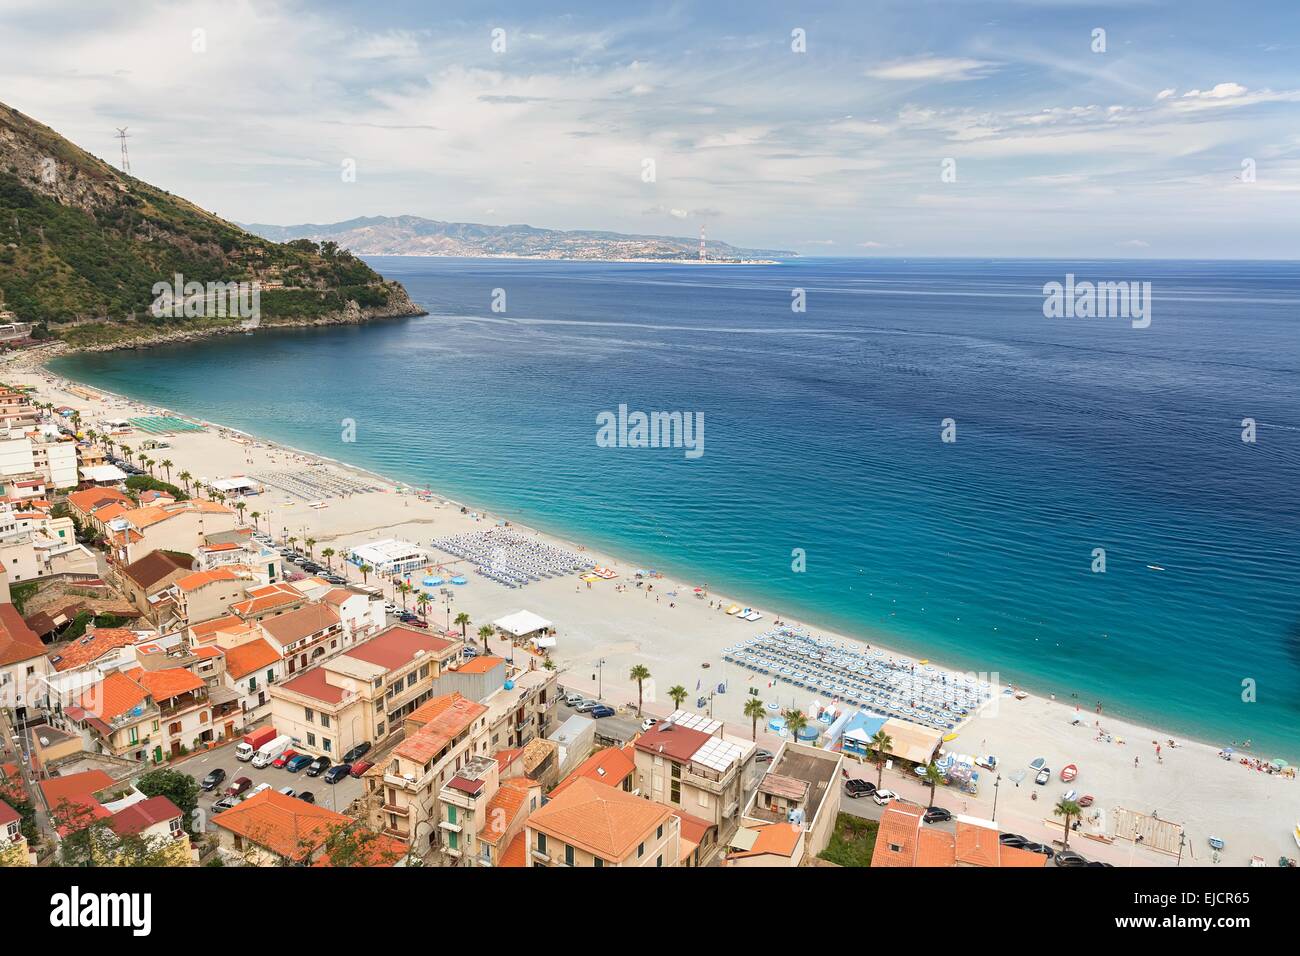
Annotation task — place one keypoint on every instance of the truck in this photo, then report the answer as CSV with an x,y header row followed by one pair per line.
x,y
270,750
248,746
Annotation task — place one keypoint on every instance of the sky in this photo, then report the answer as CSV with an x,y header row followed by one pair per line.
x,y
910,128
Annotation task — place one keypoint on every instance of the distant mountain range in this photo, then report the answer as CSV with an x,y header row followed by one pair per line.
x,y
415,236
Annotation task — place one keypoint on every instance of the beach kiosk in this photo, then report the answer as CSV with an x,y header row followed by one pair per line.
x,y
526,626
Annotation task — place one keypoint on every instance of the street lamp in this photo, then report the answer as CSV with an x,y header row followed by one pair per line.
x,y
996,782
600,678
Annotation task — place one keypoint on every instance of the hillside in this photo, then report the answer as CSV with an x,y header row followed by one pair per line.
x,y
414,236
82,246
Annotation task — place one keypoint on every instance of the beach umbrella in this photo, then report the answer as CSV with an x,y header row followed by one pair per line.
x,y
1279,763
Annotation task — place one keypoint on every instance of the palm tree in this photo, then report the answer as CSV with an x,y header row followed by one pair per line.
x,y
639,673
1067,809
677,693
422,602
293,540
404,589
795,721
881,743
328,554
167,467
240,507
126,452
755,711
485,632
255,515
185,477
933,777
365,570
463,620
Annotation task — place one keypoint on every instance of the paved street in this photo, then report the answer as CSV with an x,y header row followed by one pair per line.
x,y
336,796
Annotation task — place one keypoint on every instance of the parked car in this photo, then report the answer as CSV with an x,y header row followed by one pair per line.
x,y
1047,851
238,787
602,710
211,781
1044,775
289,791
318,766
360,767
586,705
1009,839
297,762
937,815
260,788
307,796
357,752
337,772
284,758
763,755
648,723
417,622
225,803
859,788
573,700
883,797
1069,858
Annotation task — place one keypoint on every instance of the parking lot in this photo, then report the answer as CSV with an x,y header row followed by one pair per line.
x,y
334,796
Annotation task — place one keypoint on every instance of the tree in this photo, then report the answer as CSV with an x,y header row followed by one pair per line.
x,y
795,721
365,570
167,467
328,555
351,844
185,477
639,673
179,788
677,693
485,632
933,777
755,711
404,589
463,620
1067,809
422,601
881,743
240,506
310,543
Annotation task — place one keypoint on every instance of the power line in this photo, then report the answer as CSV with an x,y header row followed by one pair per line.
x,y
126,160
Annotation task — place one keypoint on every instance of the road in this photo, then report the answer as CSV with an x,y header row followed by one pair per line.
x,y
17,744
334,796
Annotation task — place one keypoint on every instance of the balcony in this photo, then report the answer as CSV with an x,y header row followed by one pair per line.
x,y
394,808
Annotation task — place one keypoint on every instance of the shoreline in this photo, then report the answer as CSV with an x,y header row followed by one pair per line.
x,y
1039,709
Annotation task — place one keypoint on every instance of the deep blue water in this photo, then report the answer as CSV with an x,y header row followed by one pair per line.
x,y
822,432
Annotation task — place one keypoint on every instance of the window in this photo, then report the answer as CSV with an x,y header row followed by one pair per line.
x,y
598,862
410,679
325,744
311,715
270,676
311,740
134,735
660,861
324,720
451,813
541,843
640,851
568,854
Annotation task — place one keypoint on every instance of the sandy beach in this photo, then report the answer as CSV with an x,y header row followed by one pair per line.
x,y
680,639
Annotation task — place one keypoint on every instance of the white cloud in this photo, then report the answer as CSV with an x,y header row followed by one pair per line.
x,y
935,69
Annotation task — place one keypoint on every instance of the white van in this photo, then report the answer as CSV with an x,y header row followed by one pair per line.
x,y
270,750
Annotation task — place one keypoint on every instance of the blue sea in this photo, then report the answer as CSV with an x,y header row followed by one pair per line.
x,y
823,433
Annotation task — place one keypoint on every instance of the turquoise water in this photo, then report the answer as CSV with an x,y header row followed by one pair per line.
x,y
822,433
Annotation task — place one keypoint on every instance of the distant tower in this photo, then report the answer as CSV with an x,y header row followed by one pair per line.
x,y
126,160
703,255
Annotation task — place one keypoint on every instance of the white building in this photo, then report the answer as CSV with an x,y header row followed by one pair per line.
x,y
24,455
389,557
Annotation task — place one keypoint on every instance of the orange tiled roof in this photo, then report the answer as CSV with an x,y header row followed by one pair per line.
x,y
113,696
206,629
86,500
516,853
168,683
501,810
610,766
976,845
437,733
93,646
1017,857
481,665
284,825
600,820
377,851
192,582
936,848
247,658
776,839
897,836
303,622
17,641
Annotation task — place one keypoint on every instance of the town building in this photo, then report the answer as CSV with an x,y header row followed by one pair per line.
x,y
590,824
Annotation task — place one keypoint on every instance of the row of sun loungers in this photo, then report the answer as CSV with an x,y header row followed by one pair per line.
x,y
323,483
894,687
511,558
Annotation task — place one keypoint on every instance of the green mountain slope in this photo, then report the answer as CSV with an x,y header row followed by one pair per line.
x,y
82,246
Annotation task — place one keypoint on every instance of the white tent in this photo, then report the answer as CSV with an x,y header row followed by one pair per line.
x,y
521,623
102,474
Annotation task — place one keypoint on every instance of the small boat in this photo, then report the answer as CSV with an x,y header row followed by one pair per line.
x,y
1069,795
734,609
1154,567
1086,800
1216,843
1069,772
